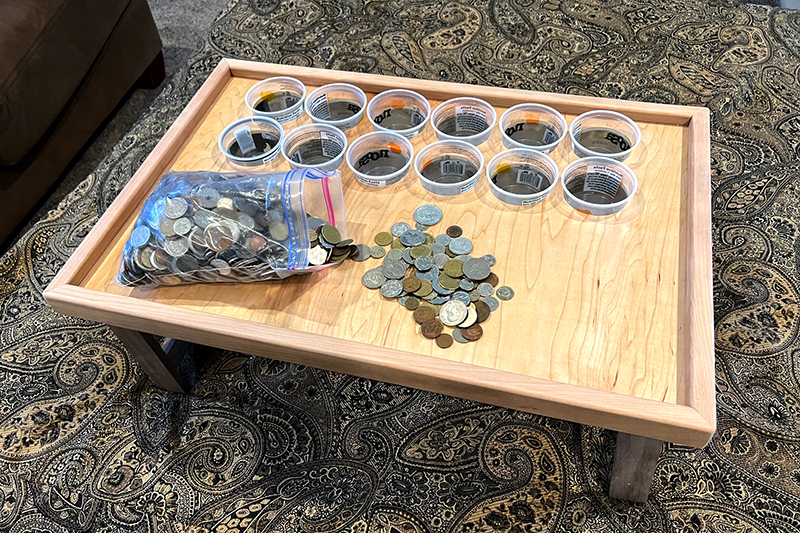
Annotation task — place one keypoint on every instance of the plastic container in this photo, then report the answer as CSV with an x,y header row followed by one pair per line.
x,y
398,110
521,176
598,185
339,104
260,137
464,119
380,158
280,98
534,126
317,146
604,134
240,227
449,168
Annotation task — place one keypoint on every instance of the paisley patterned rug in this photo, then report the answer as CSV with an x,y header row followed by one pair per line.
x,y
87,444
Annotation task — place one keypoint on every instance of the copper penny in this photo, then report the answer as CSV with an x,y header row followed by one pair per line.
x,y
472,333
483,310
257,243
492,279
423,314
432,328
411,284
454,231
444,341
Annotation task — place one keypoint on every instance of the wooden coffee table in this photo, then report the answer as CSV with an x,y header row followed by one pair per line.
x,y
611,324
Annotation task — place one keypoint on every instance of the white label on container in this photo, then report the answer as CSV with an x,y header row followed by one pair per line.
x,y
319,107
529,177
602,179
245,139
470,118
373,183
468,186
331,144
452,167
532,201
549,136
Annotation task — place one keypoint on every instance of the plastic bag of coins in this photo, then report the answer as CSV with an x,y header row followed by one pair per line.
x,y
204,227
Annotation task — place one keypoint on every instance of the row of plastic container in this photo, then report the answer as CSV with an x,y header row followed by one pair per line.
x,y
598,182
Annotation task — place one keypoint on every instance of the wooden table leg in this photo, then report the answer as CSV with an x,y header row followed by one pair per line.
x,y
634,466
160,363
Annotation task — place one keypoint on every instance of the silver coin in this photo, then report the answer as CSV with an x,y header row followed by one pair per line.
x,y
315,223
167,227
462,297
398,228
279,231
421,227
407,256
364,252
185,265
440,260
459,337
182,226
247,207
325,244
175,208
428,215
394,270
206,197
373,279
218,237
505,292
460,245
402,300
393,255
204,218
489,258
377,251
423,263
440,300
476,269
317,256
246,220
466,284
443,239
412,237
222,268
392,288
472,317
176,247
197,243
492,302
140,236
474,296
431,296
160,259
453,313
437,248
463,258
485,289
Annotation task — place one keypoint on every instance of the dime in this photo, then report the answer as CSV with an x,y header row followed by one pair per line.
x,y
440,260
477,269
218,237
425,288
391,289
431,328
372,279
411,303
407,256
482,310
492,302
505,292
485,289
140,236
364,253
472,317
377,251
423,314
423,263
176,247
394,270
175,208
182,226
412,238
462,297
420,227
246,221
437,248
459,337
444,341
473,333
428,215
383,238
411,284
460,245
393,255
454,231
466,284
203,218
492,279
398,228
317,256
421,250
454,268
453,313
329,233
443,239
489,258
279,231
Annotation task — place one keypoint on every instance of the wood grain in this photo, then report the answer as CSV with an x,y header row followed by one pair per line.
x,y
160,363
635,462
597,303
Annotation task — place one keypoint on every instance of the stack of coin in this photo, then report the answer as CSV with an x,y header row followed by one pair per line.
x,y
223,230
437,278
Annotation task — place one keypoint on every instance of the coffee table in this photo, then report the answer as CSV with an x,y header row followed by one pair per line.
x,y
611,324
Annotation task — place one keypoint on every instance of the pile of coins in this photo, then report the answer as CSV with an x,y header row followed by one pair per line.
x,y
221,230
435,277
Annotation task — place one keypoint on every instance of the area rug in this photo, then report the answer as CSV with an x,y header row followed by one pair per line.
x,y
88,444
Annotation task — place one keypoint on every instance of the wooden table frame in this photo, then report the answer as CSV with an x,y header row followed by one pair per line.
x,y
642,423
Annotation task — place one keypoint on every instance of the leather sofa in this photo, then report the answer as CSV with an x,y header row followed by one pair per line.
x,y
64,67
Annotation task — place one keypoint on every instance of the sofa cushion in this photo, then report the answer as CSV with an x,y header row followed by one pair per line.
x,y
46,48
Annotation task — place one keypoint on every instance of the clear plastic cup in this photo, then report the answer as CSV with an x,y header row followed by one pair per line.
x,y
521,176
280,98
449,168
380,158
604,134
339,104
317,146
398,110
598,185
251,141
464,119
534,126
